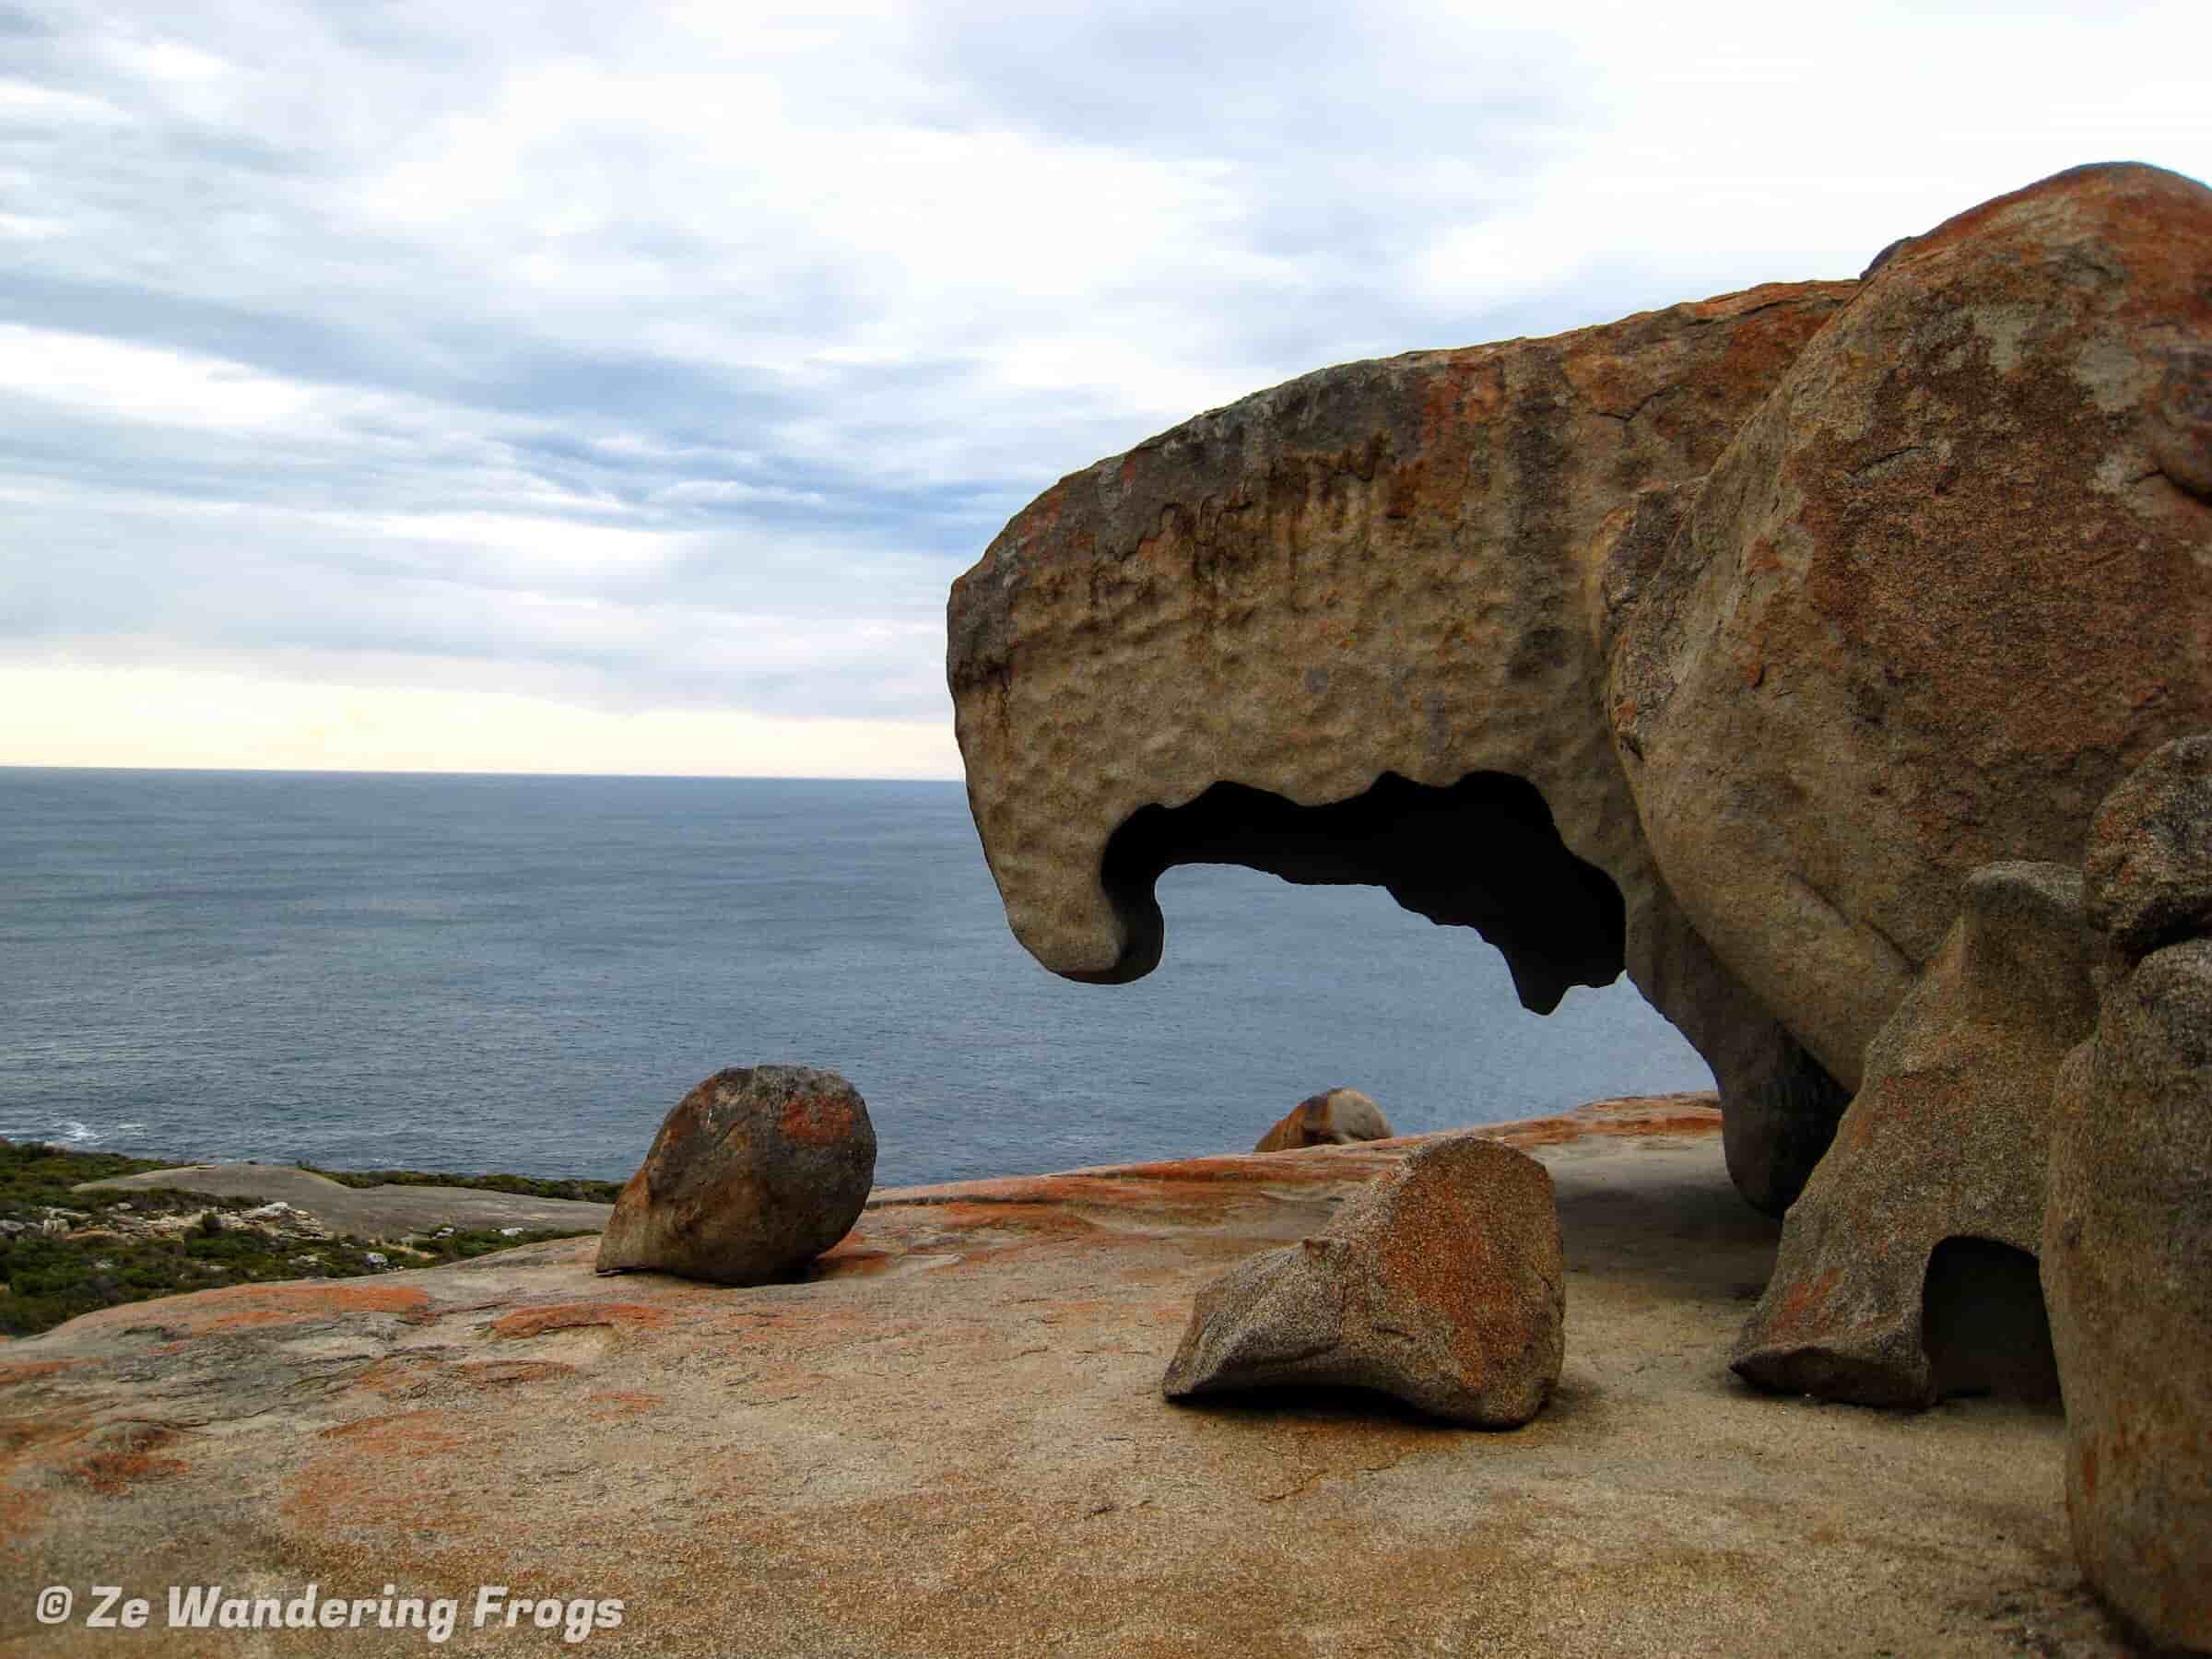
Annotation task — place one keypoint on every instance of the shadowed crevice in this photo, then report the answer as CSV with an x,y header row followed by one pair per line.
x,y
1482,852
1983,1324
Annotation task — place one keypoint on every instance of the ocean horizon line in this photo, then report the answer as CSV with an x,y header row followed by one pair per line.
x,y
337,771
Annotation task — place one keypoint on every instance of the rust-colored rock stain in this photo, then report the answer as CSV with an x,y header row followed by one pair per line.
x,y
114,1471
568,1316
817,1120
250,1307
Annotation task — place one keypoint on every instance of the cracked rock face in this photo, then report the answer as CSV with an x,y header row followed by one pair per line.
x,y
1444,1284
756,1172
1347,630
1938,1171
1946,587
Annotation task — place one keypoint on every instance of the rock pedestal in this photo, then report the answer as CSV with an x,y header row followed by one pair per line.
x,y
1948,1140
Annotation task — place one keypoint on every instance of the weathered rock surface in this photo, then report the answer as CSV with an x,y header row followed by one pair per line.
x,y
2128,1240
756,1172
1443,1284
1342,630
953,1427
1336,1117
1937,596
2181,419
1929,1206
2147,871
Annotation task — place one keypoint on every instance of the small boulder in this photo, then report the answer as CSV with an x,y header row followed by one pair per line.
x,y
1443,1284
1336,1117
756,1172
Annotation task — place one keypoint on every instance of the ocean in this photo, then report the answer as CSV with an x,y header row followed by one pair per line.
x,y
526,973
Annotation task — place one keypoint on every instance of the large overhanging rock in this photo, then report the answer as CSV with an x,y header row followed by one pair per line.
x,y
1348,630
1950,582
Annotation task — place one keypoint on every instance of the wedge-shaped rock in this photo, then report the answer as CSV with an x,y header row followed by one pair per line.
x,y
1939,594
756,1172
1947,1141
1442,1284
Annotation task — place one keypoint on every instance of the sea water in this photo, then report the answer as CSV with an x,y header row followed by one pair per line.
x,y
526,973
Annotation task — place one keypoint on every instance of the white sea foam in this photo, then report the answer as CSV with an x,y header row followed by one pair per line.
x,y
65,1132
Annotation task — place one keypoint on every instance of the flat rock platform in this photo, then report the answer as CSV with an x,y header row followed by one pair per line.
x,y
950,1441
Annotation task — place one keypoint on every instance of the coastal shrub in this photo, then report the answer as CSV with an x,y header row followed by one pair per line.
x,y
107,1253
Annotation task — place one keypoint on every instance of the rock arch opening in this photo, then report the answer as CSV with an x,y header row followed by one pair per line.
x,y
1983,1325
1482,852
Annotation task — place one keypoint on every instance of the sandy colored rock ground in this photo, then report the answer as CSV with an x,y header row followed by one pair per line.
x,y
370,1212
951,1441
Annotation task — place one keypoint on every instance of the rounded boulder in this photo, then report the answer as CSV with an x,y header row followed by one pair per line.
x,y
756,1171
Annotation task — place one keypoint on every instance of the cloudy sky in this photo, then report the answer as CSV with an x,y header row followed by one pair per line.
x,y
586,387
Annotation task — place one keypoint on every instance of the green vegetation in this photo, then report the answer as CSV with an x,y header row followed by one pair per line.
x,y
528,1186
107,1248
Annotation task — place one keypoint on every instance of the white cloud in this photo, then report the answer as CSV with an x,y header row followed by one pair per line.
x,y
677,356
141,383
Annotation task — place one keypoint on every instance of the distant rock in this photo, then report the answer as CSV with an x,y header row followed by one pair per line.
x,y
756,1172
1336,1117
2127,1237
1441,1283
1937,1171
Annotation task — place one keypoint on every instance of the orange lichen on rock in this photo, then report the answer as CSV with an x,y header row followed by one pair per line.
x,y
568,1316
126,1458
245,1307
25,1371
820,1120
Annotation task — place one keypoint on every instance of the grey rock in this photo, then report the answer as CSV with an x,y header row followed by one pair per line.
x,y
1443,1284
756,1172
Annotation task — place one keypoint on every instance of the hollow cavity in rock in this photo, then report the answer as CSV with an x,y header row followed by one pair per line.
x,y
1483,853
1983,1325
